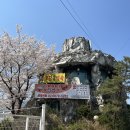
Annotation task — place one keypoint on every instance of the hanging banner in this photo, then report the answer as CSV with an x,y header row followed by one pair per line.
x,y
62,91
54,78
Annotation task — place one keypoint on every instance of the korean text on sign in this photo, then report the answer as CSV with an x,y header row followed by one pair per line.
x,y
54,78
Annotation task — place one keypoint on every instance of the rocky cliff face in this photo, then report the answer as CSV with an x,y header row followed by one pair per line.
x,y
82,66
88,66
77,52
76,44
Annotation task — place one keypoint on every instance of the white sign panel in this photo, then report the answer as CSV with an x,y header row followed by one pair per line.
x,y
62,91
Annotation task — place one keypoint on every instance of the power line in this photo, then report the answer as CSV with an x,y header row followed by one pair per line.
x,y
76,19
122,47
73,17
77,15
91,36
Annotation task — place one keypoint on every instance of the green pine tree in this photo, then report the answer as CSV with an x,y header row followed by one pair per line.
x,y
114,90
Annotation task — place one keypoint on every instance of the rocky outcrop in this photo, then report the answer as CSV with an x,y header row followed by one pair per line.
x,y
82,66
77,51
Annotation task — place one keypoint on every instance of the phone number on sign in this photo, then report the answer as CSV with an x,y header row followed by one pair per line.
x,y
52,96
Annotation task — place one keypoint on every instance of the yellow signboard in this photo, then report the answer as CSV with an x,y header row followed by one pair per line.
x,y
54,78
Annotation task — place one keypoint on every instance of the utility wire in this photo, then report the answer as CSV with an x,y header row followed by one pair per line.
x,y
73,17
76,19
77,15
91,36
120,49
123,46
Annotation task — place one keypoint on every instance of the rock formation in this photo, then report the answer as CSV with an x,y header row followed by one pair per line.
x,y
82,66
77,52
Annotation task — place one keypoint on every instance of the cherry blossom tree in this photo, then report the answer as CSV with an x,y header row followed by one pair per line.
x,y
22,60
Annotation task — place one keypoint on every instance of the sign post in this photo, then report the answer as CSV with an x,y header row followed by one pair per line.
x,y
42,122
27,121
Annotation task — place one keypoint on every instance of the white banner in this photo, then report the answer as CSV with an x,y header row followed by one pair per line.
x,y
62,91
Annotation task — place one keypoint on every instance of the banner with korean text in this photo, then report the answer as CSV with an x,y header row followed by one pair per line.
x,y
62,91
54,78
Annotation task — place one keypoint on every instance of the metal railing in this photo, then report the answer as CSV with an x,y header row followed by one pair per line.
x,y
10,121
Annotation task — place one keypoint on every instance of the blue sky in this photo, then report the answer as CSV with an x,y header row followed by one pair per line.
x,y
107,22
